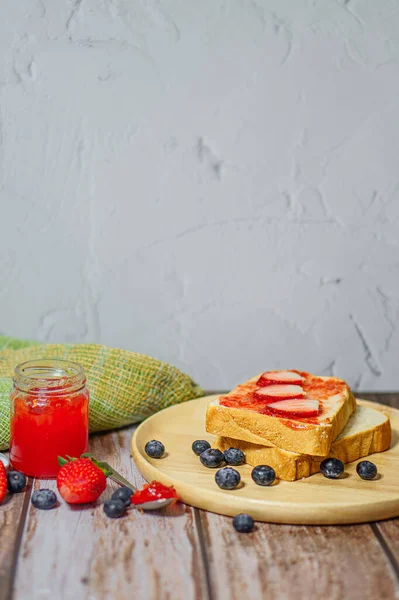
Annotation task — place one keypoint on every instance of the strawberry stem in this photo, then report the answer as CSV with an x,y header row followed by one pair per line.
x,y
105,467
101,465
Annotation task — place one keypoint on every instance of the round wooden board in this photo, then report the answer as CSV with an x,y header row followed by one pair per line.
x,y
314,500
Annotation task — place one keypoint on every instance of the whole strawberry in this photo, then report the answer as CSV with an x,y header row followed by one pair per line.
x,y
3,481
80,481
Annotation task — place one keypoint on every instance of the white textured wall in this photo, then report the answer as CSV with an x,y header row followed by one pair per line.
x,y
213,182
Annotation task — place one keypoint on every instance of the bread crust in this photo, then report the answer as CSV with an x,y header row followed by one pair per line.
x,y
290,466
289,434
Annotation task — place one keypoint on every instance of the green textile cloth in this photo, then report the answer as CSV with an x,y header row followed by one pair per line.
x,y
125,387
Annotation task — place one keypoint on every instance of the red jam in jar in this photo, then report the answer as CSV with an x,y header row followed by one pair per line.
x,y
49,415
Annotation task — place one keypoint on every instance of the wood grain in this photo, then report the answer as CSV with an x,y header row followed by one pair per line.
x,y
145,556
313,500
296,562
390,533
12,517
80,554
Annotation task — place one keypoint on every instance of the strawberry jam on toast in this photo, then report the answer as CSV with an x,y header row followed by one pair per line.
x,y
292,410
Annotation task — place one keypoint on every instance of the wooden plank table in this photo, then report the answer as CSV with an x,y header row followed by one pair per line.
x,y
185,553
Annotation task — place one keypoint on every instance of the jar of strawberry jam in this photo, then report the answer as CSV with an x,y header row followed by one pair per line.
x,y
49,415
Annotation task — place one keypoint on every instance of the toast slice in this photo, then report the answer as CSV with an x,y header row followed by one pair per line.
x,y
243,416
367,431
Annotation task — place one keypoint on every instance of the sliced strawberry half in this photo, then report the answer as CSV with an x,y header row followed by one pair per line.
x,y
295,408
272,377
274,393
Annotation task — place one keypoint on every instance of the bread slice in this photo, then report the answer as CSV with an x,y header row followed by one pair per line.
x,y
237,416
367,431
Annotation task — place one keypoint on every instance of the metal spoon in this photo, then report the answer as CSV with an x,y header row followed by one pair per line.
x,y
151,505
4,460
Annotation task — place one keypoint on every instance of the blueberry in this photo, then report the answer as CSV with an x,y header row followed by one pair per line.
x,y
366,469
114,508
155,449
243,523
234,456
212,458
199,446
263,475
16,481
227,478
123,493
44,499
332,468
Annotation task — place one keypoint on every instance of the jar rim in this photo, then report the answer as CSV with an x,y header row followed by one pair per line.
x,y
48,374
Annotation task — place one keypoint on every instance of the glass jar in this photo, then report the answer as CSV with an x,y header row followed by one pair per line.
x,y
49,415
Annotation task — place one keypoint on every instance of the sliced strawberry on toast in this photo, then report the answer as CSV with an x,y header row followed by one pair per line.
x,y
273,377
295,408
303,418
274,393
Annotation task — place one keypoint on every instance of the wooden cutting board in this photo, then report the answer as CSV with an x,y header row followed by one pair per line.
x,y
314,500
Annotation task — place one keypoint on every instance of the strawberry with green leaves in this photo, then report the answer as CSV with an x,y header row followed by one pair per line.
x,y
81,480
3,481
